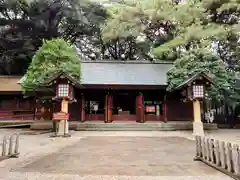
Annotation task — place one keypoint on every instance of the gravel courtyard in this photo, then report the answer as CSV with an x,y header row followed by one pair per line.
x,y
108,155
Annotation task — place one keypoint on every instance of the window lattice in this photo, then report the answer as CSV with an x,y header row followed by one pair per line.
x,y
63,90
198,91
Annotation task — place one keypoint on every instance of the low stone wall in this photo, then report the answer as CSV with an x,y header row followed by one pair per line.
x,y
224,156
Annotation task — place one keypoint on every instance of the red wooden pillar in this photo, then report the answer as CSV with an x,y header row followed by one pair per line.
x,y
140,108
83,113
108,108
109,105
165,109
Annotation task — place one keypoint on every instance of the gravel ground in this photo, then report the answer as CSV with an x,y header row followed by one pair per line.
x,y
110,155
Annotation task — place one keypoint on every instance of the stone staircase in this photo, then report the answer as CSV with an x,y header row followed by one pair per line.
x,y
123,126
170,126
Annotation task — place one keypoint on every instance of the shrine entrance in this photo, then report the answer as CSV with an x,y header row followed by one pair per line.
x,y
124,105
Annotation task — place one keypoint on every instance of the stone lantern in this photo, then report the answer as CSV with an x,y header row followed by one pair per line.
x,y
63,85
194,90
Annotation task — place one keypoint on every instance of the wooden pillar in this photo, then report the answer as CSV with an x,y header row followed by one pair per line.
x,y
165,119
197,124
140,108
110,105
63,124
83,113
64,106
106,108
197,111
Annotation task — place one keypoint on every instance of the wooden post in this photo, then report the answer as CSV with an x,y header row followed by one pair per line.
x,y
106,111
217,152
165,109
4,146
222,154
229,156
16,150
197,124
83,113
235,159
64,108
109,106
211,148
140,108
203,147
10,149
207,149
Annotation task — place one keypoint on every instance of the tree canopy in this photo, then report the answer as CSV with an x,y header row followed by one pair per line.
x,y
53,56
25,23
195,35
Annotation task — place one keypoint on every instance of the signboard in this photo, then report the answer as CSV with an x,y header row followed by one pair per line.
x,y
60,116
95,107
151,109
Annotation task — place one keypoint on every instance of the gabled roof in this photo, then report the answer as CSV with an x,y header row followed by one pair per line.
x,y
124,73
194,77
238,83
58,74
10,83
112,72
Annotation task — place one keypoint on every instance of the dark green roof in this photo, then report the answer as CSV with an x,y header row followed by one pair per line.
x,y
124,73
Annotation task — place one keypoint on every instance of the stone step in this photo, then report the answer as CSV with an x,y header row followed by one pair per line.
x,y
170,126
126,129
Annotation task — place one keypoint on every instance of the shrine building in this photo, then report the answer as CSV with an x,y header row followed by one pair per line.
x,y
108,91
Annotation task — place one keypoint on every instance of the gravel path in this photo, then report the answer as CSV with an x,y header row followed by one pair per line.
x,y
108,156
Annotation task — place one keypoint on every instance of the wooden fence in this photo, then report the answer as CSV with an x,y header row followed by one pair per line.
x,y
10,147
223,156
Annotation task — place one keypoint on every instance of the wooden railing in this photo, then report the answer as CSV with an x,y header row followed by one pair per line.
x,y
224,156
10,147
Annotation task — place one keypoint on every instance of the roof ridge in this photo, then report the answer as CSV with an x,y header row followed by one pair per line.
x,y
126,62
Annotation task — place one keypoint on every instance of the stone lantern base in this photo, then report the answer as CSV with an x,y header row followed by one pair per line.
x,y
198,129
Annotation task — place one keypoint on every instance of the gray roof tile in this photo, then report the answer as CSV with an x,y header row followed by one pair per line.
x,y
124,73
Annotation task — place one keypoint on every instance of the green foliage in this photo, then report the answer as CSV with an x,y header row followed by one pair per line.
x,y
25,23
54,56
202,60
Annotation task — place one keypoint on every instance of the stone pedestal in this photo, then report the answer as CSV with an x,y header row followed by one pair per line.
x,y
60,128
66,128
198,129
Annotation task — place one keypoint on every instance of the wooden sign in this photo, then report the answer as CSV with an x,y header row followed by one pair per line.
x,y
60,116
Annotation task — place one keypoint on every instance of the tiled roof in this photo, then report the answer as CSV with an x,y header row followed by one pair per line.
x,y
124,73
10,83
238,83
118,73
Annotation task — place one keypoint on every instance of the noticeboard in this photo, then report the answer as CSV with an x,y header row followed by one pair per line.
x,y
151,109
60,116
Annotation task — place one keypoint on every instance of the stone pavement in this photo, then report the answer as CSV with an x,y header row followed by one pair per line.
x,y
108,156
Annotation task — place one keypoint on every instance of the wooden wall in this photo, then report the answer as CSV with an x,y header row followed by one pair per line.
x,y
177,110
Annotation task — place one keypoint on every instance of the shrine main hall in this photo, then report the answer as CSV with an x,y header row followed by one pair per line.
x,y
108,91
